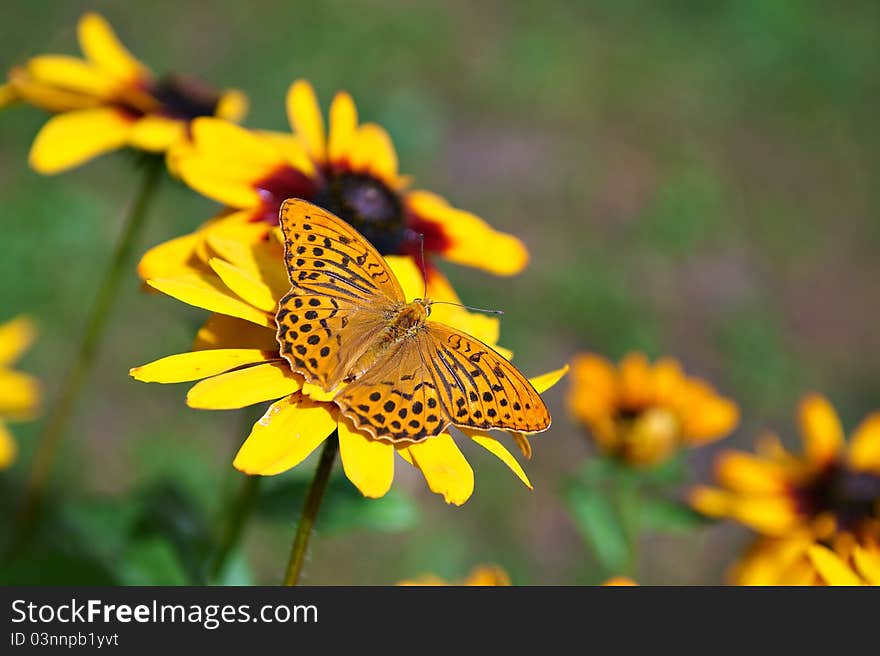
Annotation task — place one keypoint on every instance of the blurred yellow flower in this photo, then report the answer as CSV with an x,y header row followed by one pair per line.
x,y
620,581
482,576
350,170
799,560
19,393
833,487
642,414
109,100
236,357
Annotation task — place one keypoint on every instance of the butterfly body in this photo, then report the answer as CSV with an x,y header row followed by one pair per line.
x,y
347,326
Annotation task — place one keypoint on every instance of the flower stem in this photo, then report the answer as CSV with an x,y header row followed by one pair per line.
x,y
242,508
310,510
71,386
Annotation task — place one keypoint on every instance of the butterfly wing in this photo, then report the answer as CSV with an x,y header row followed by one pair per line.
x,y
396,398
438,377
478,387
342,292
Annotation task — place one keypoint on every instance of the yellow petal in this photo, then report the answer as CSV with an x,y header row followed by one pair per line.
x,y
743,472
8,447
16,336
19,395
523,443
768,515
305,118
831,567
864,445
497,449
820,429
444,467
100,44
868,563
620,581
343,128
8,95
185,367
635,380
373,154
244,387
593,390
317,393
286,435
545,381
69,139
232,106
487,575
46,96
710,501
263,261
169,259
291,148
710,419
473,242
221,331
156,133
368,463
71,74
248,287
209,293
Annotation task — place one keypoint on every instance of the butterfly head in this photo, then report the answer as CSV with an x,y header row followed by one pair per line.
x,y
425,304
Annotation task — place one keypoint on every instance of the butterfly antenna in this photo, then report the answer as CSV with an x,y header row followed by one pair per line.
x,y
422,264
468,307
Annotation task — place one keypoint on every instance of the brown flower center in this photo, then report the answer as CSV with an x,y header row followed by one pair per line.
x,y
370,207
853,497
184,97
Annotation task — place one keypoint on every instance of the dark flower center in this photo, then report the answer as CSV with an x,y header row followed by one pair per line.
x,y
184,97
369,206
851,496
283,183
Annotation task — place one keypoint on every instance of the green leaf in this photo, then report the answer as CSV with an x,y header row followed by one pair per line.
x,y
236,571
59,566
343,508
170,514
600,526
667,515
152,561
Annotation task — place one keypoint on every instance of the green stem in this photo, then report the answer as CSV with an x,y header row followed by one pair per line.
x,y
71,387
242,507
627,506
310,510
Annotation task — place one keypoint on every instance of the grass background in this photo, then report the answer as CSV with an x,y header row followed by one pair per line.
x,y
692,179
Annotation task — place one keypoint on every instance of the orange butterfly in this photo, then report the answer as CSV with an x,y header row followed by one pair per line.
x,y
346,320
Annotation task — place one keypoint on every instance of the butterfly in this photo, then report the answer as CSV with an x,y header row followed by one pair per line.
x,y
346,324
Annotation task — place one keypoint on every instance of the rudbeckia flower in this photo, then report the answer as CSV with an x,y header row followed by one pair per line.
x,y
620,581
350,170
833,487
237,361
19,393
799,560
108,100
643,413
482,576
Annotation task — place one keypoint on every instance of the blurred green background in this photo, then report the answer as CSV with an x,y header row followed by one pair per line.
x,y
697,179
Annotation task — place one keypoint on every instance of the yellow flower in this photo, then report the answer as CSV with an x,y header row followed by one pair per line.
x,y
620,581
19,393
350,170
799,560
236,358
643,414
833,487
482,576
108,100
